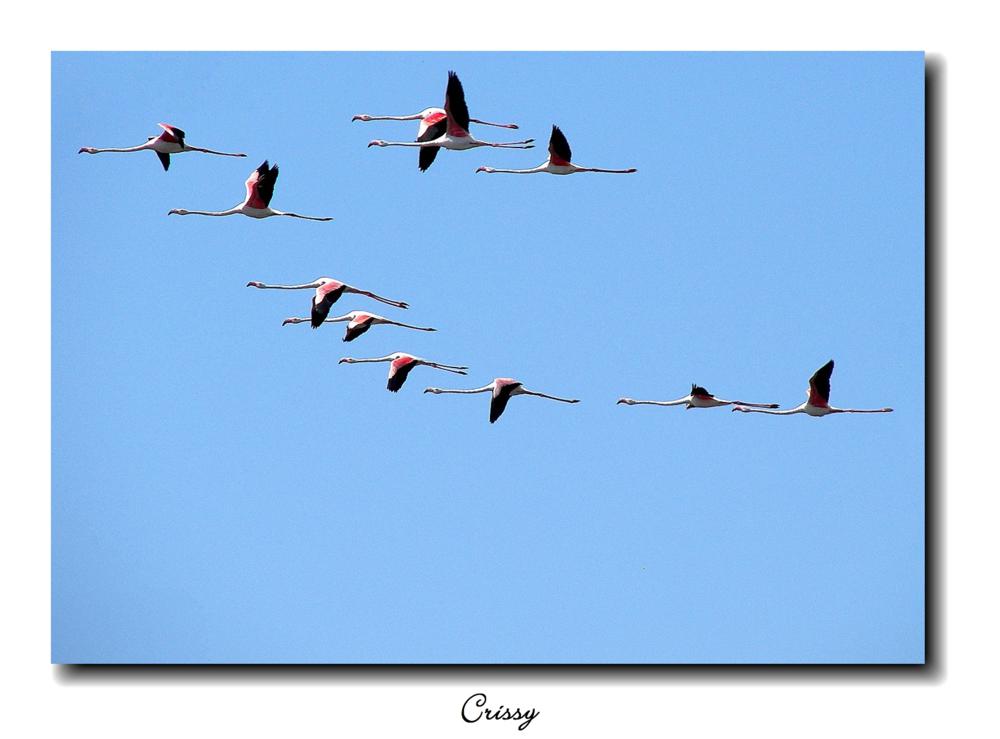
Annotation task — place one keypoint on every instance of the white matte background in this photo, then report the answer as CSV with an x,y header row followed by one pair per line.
x,y
41,700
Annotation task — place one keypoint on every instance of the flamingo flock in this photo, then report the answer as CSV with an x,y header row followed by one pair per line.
x,y
443,128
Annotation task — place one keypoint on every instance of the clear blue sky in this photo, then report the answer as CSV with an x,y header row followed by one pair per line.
x,y
223,491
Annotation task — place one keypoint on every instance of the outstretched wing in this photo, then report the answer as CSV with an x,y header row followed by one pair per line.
x,y
357,327
500,399
455,107
559,152
173,134
260,185
164,160
398,371
432,127
326,295
819,385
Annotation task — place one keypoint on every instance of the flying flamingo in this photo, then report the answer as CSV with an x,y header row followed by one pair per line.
x,y
433,124
359,322
699,397
400,366
328,292
452,131
558,161
818,398
503,389
260,188
171,141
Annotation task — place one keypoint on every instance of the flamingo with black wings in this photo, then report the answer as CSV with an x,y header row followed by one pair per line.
x,y
559,161
328,292
817,399
450,131
358,322
502,390
433,124
171,141
699,397
257,203
400,365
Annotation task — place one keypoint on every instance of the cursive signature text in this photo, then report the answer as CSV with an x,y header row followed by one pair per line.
x,y
471,715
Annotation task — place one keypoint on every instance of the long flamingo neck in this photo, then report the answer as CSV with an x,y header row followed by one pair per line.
x,y
141,147
534,170
788,412
216,213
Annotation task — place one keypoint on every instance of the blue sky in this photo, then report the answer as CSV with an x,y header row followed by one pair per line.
x,y
224,491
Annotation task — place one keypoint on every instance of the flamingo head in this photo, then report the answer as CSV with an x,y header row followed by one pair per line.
x,y
377,142
177,212
87,150
362,117
434,390
254,283
625,401
290,320
485,169
347,360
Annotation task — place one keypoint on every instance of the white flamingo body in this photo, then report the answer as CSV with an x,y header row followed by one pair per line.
x,y
171,141
817,402
699,397
400,365
448,128
257,203
502,389
358,322
559,161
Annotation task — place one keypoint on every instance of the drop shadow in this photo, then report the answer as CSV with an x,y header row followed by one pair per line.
x,y
931,671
